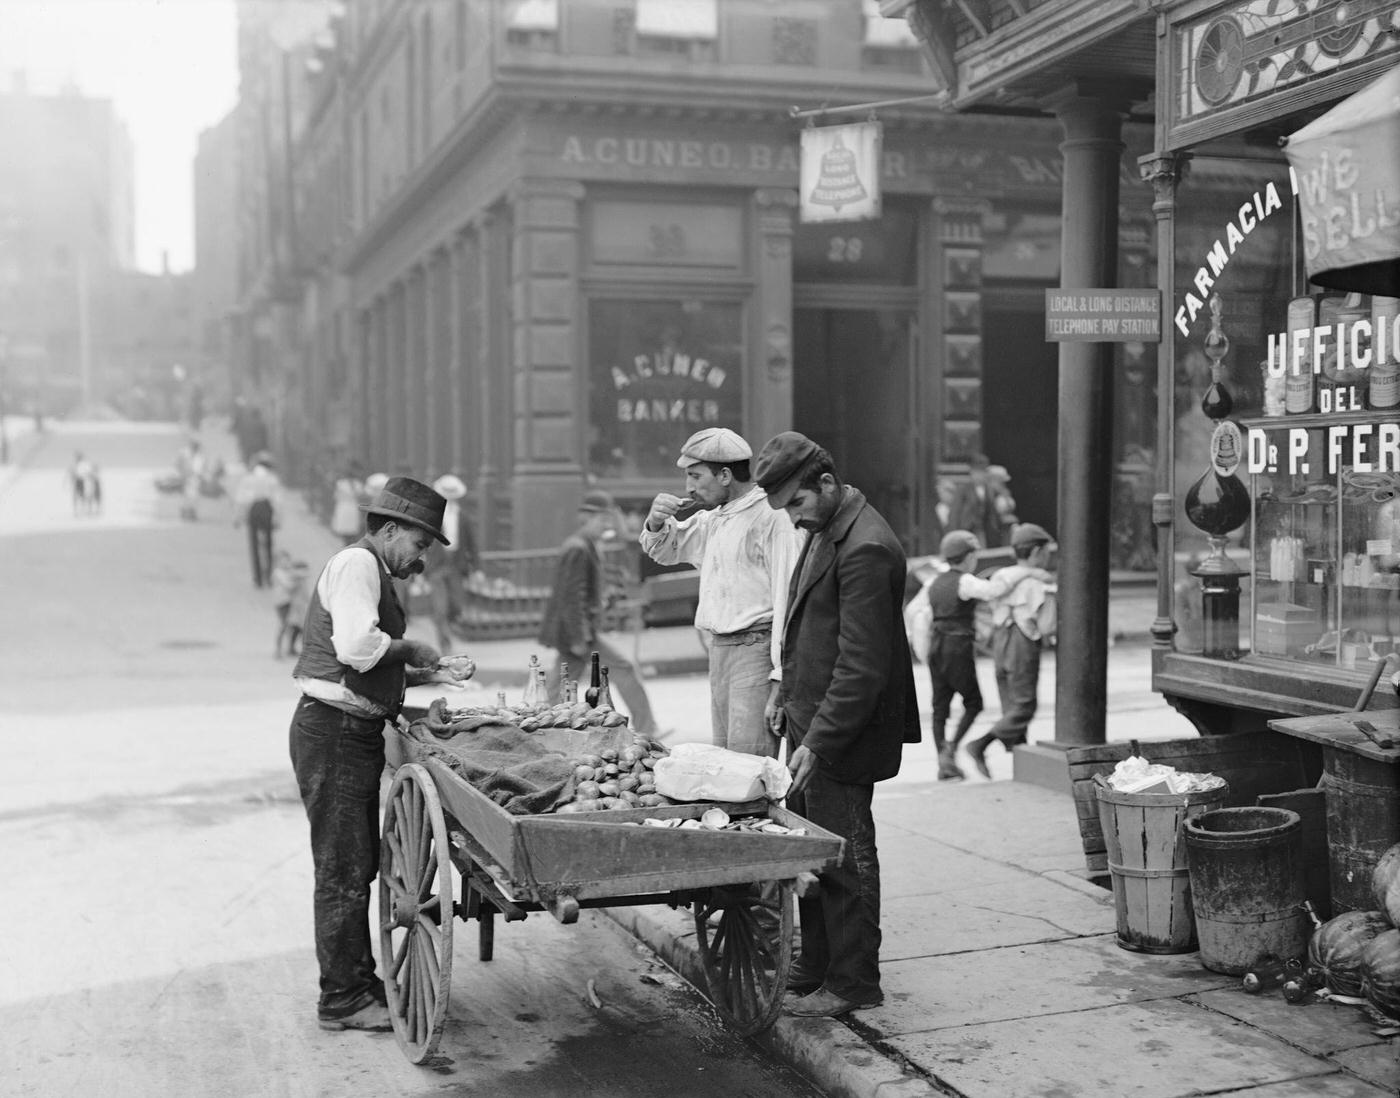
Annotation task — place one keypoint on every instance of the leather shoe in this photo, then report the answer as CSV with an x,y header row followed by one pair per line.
x,y
373,1018
975,754
802,981
826,1004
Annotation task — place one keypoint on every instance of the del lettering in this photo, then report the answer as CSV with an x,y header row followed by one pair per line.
x,y
1343,399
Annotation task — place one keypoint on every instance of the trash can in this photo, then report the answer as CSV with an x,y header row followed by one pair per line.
x,y
1143,835
1246,870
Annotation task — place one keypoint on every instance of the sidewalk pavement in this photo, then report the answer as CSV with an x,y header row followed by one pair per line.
x,y
1003,979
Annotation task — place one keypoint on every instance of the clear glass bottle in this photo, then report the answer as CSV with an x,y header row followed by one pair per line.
x,y
604,694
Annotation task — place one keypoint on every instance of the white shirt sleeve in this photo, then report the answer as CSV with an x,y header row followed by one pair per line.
x,y
677,542
784,547
349,590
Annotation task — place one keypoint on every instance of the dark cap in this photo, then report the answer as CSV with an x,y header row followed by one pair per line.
x,y
410,501
780,465
957,544
1028,533
597,500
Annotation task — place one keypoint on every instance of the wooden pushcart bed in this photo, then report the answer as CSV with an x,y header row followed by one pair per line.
x,y
740,883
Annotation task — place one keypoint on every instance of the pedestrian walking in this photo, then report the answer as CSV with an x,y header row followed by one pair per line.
x,y
570,624
847,706
745,552
191,465
354,667
1023,619
349,496
952,657
447,567
84,485
974,505
259,502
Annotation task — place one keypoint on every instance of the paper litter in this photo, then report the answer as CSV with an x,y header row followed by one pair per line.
x,y
1136,775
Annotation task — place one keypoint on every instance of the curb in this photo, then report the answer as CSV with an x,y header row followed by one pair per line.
x,y
830,1053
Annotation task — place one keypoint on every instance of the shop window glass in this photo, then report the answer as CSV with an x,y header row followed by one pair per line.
x,y
659,371
665,233
883,251
1227,245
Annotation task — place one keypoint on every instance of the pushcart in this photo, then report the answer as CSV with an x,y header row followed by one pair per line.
x,y
739,885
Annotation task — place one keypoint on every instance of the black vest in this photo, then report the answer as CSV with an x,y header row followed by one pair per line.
x,y
952,616
382,684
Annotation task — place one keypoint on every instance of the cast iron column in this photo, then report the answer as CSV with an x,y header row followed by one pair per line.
x,y
1093,120
1163,170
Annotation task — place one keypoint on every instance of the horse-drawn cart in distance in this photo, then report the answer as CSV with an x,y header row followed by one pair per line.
x,y
740,884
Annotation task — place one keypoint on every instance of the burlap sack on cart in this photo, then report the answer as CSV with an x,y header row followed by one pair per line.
x,y
511,767
703,772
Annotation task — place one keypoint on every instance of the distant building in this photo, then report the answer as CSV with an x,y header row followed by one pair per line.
x,y
67,221
540,242
215,277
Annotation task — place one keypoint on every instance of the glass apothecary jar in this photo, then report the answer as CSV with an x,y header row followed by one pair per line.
x,y
1325,492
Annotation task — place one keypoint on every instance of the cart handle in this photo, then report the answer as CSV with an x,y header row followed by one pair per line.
x,y
1381,664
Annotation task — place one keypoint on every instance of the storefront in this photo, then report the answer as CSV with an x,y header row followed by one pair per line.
x,y
589,288
1278,592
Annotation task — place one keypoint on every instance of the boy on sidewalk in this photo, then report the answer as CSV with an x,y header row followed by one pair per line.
x,y
1022,618
953,596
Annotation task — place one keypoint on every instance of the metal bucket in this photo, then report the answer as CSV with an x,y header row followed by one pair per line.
x,y
1247,893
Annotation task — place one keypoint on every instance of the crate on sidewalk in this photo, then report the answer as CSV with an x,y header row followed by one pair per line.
x,y
1252,763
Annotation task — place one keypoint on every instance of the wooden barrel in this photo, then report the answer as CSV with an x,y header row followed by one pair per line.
x,y
1363,822
1247,886
1147,860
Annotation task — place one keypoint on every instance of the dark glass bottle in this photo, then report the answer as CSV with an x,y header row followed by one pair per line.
x,y
595,681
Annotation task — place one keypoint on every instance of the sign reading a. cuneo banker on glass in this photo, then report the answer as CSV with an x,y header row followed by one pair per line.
x,y
1103,316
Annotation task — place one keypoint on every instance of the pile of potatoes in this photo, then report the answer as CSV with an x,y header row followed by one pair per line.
x,y
617,779
577,716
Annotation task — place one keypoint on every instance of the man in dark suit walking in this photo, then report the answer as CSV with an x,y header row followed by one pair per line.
x,y
846,709
974,506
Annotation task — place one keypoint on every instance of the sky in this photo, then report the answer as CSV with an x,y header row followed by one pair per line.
x,y
170,68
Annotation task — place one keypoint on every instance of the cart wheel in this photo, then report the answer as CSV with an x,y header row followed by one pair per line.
x,y
415,912
745,938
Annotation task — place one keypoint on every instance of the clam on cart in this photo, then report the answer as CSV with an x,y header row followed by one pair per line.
x,y
511,865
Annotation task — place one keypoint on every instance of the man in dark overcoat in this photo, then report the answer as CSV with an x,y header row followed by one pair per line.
x,y
846,709
570,624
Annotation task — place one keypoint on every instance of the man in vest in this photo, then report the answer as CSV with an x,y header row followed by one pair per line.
x,y
355,664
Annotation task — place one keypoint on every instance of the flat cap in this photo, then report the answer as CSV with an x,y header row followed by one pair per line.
x,y
597,500
717,444
1028,533
779,466
957,544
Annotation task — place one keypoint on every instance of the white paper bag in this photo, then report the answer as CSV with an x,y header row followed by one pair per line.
x,y
703,772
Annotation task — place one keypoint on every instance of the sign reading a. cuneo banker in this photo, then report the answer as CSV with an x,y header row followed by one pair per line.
x,y
1103,316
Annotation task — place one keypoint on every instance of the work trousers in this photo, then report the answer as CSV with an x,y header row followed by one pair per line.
x,y
952,670
740,664
260,541
841,925
338,759
1017,660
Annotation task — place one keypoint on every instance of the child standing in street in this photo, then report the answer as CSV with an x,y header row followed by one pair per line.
x,y
291,591
1023,618
952,664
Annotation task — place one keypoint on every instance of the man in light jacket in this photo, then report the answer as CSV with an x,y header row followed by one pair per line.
x,y
745,552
